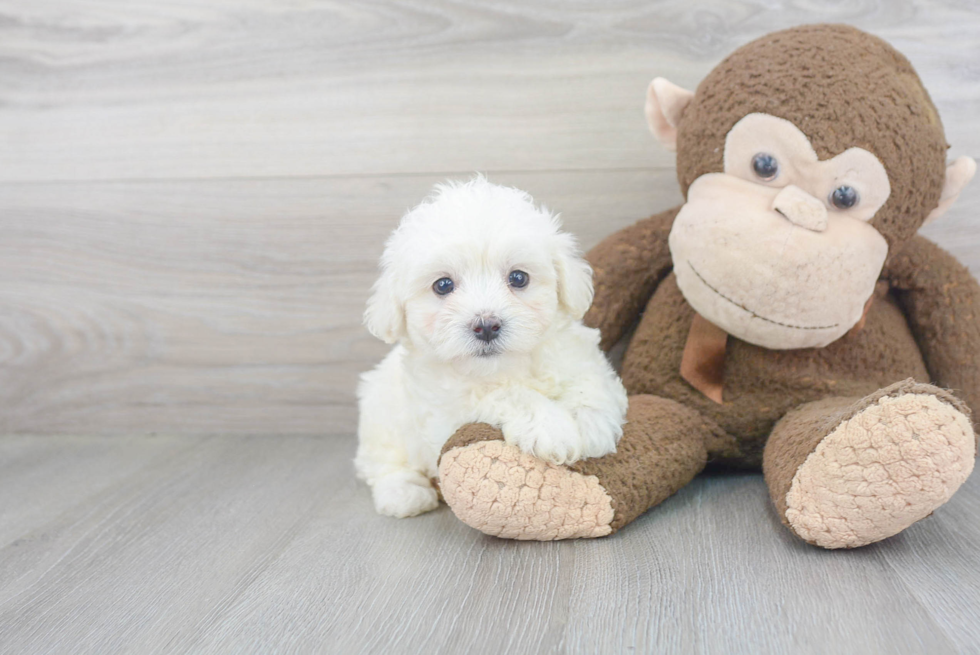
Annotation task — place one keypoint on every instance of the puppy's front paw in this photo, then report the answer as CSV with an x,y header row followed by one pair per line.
x,y
549,433
599,431
402,496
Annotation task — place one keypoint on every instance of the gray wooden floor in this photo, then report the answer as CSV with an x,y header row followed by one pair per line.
x,y
266,544
193,196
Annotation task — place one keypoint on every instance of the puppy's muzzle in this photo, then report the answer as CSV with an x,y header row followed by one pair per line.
x,y
486,329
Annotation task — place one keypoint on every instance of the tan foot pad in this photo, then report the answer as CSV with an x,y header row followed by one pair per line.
x,y
502,491
880,471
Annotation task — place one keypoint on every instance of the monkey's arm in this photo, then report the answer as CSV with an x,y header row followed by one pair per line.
x,y
628,265
942,302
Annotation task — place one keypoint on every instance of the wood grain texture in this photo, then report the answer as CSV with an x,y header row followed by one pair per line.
x,y
267,544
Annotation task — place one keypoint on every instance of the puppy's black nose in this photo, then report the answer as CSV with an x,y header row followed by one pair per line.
x,y
486,329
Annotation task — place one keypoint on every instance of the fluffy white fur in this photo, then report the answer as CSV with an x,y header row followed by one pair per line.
x,y
543,380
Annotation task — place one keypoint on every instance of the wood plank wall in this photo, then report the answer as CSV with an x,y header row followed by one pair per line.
x,y
193,196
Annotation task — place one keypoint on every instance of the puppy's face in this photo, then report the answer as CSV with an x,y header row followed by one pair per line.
x,y
482,297
475,273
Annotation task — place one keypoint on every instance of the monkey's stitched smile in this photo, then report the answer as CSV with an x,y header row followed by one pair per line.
x,y
754,314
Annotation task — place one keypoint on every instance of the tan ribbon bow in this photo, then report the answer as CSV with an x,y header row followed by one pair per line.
x,y
703,362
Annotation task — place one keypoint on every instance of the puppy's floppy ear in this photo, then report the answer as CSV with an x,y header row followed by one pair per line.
x,y
385,313
574,277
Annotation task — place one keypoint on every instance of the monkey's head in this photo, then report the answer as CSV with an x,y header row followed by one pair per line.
x,y
806,158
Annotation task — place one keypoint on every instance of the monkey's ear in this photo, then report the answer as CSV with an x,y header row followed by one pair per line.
x,y
958,175
665,105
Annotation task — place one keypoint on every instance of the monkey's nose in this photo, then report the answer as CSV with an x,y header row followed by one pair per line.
x,y
487,329
800,208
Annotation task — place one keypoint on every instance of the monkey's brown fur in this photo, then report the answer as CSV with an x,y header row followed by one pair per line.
x,y
843,88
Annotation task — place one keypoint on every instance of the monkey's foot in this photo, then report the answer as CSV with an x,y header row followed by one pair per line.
x,y
887,466
503,491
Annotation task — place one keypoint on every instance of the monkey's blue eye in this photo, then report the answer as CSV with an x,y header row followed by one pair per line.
x,y
765,166
443,286
518,279
844,197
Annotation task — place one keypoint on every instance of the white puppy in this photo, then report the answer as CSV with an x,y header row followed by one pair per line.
x,y
484,297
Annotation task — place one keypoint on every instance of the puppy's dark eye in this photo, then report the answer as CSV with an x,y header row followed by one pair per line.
x,y
518,279
443,286
844,197
765,166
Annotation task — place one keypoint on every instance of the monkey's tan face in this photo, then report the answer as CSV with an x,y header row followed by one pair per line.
x,y
778,250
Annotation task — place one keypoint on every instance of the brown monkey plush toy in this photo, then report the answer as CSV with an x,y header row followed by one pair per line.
x,y
787,315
